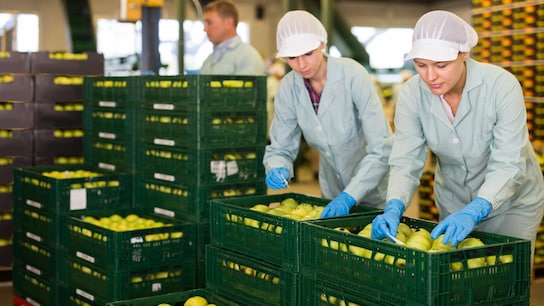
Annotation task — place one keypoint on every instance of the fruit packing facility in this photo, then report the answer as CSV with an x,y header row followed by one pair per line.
x,y
149,190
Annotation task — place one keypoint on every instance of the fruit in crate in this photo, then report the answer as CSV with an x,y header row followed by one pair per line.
x,y
288,208
132,222
70,174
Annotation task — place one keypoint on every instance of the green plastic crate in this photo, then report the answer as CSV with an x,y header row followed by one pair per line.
x,y
315,293
189,202
113,285
177,298
106,191
73,296
248,280
34,289
414,277
204,93
38,258
203,130
110,91
110,154
39,225
271,238
109,123
188,166
174,242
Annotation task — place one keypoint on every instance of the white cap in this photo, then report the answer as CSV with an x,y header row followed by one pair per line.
x,y
299,32
440,36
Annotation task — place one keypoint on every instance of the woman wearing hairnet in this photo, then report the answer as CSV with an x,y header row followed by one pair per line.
x,y
472,116
333,103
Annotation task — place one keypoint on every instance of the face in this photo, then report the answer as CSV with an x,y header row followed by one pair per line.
x,y
218,29
308,65
442,77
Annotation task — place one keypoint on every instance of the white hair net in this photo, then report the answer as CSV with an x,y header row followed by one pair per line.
x,y
299,32
440,36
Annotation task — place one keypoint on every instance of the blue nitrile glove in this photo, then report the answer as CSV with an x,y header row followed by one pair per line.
x,y
457,226
277,178
389,221
340,206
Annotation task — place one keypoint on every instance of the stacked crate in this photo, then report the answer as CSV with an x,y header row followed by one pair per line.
x,y
427,207
185,139
342,267
16,146
255,255
58,97
199,138
42,202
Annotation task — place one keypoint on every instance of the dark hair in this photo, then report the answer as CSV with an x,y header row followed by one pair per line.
x,y
224,8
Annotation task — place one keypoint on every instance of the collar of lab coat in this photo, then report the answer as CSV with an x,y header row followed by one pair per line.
x,y
473,80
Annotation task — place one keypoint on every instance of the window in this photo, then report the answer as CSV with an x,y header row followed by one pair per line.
x,y
25,30
386,47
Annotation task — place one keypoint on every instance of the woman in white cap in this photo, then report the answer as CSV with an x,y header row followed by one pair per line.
x,y
332,102
472,117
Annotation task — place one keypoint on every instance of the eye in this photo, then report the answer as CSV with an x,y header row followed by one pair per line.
x,y
309,53
291,58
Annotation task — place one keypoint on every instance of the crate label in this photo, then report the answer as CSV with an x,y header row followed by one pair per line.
x,y
106,166
164,142
164,212
84,294
85,257
33,236
164,177
78,199
136,240
156,287
232,167
33,203
107,135
107,103
161,106
33,270
218,167
32,302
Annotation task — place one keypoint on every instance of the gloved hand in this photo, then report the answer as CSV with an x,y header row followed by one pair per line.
x,y
389,221
457,226
277,178
340,206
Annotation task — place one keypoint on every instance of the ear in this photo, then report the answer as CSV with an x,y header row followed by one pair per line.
x,y
464,56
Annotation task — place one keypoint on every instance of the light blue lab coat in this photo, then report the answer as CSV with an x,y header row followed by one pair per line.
x,y
239,58
485,152
350,132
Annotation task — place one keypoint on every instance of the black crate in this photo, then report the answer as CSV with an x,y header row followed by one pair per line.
x,y
14,62
58,115
7,163
16,88
52,142
16,115
17,143
88,63
50,88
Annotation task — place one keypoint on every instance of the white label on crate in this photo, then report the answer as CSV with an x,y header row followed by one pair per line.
x,y
232,167
162,106
78,199
218,167
164,177
164,142
85,256
34,236
85,294
107,135
164,212
33,270
135,240
106,166
33,203
32,302
107,103
156,287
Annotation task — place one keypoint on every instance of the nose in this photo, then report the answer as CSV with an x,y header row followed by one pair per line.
x,y
431,74
301,62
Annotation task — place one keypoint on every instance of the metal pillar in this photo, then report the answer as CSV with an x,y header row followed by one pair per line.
x,y
327,18
150,61
181,41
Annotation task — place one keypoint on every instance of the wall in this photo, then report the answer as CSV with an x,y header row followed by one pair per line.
x,y
53,33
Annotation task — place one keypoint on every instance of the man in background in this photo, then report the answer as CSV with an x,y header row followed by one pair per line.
x,y
230,55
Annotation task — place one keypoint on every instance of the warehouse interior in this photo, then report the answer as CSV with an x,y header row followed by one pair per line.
x,y
116,58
